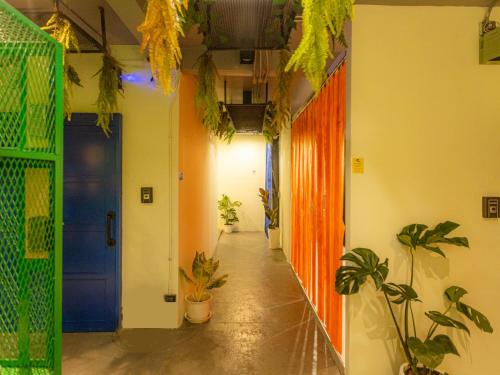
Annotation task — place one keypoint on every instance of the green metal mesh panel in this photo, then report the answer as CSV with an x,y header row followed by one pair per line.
x,y
30,195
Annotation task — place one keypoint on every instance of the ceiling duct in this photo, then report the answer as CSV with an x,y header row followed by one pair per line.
x,y
249,24
247,117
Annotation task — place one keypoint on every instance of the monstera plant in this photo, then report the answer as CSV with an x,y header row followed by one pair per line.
x,y
424,350
227,209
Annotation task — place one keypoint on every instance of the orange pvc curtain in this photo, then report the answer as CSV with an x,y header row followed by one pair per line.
x,y
318,200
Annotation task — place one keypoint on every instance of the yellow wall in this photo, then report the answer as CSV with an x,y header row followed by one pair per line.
x,y
426,118
149,119
241,168
197,190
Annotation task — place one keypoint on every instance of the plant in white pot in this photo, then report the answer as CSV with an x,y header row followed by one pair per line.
x,y
228,212
203,279
424,350
273,215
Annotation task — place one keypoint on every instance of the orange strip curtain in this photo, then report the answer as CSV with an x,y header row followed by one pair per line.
x,y
318,200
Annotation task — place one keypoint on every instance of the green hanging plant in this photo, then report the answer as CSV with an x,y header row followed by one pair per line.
x,y
268,129
215,118
60,29
320,19
110,86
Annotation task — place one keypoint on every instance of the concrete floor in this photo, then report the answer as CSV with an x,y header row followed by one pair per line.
x,y
262,324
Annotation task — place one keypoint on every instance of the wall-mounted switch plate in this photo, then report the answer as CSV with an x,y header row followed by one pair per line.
x,y
146,195
491,207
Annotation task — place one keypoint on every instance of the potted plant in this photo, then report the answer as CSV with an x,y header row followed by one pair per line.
x,y
198,303
272,214
228,212
424,350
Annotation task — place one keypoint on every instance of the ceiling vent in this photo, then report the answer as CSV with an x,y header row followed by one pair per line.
x,y
247,118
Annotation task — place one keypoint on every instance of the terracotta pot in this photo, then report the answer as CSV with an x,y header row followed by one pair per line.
x,y
405,366
198,312
274,238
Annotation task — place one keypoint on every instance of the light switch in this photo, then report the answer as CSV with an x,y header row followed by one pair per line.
x,y
491,207
146,195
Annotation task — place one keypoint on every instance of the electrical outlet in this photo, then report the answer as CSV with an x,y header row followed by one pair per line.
x,y
170,297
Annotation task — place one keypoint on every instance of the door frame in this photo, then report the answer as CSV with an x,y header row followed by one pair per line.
x,y
89,119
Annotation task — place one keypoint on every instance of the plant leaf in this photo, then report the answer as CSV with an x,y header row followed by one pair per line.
x,y
434,249
446,344
348,279
455,293
217,283
403,293
428,353
446,321
475,316
185,276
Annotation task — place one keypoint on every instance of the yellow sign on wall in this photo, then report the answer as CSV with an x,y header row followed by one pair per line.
x,y
358,165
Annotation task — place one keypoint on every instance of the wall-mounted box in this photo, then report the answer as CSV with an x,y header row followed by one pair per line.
x,y
491,207
489,47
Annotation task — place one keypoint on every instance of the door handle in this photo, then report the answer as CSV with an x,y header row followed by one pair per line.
x,y
110,218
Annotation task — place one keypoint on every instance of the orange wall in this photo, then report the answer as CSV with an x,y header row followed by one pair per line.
x,y
197,191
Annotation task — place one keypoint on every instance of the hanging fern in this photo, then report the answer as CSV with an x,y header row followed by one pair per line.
x,y
161,30
320,19
215,117
60,29
110,85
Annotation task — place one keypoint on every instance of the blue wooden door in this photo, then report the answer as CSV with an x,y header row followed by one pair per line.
x,y
91,242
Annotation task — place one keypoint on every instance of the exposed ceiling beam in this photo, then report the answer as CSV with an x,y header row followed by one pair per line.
x,y
130,13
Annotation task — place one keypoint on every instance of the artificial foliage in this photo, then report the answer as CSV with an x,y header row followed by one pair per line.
x,y
320,20
203,277
278,112
110,86
161,30
214,114
60,29
271,209
227,209
424,350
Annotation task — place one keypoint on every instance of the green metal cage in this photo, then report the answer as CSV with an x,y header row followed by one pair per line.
x,y
31,120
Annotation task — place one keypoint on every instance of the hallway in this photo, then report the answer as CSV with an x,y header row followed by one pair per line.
x,y
262,324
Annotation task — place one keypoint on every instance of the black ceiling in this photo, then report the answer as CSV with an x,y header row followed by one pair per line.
x,y
248,24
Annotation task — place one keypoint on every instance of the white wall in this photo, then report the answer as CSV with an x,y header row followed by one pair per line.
x,y
426,118
241,169
149,121
286,190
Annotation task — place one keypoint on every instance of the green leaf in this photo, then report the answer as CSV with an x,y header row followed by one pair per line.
x,y
434,249
217,283
349,278
197,267
185,276
405,239
455,293
447,346
403,293
446,321
438,235
428,353
475,316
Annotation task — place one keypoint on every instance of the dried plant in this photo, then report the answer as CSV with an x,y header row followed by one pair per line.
x,y
161,30
110,86
60,29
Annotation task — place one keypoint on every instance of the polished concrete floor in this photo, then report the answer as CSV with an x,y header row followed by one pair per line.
x,y
261,325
